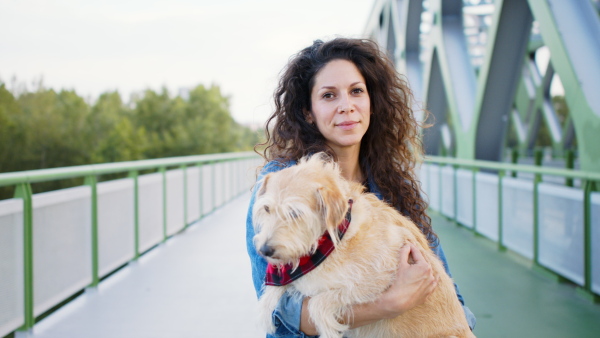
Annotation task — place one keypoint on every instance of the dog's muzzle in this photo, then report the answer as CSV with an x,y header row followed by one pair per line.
x,y
266,250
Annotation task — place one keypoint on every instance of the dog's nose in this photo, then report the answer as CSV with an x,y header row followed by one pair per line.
x,y
267,251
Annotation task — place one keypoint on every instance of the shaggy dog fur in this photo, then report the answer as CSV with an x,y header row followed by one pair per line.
x,y
296,205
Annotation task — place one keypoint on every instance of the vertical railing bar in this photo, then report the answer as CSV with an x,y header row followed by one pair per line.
x,y
474,179
514,154
569,164
233,180
589,187
92,182
536,218
440,191
455,168
240,170
228,180
236,177
536,229
587,234
201,188
501,174
136,214
183,167
213,203
24,191
163,171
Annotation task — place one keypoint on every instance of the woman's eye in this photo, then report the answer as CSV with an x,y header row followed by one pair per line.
x,y
357,90
267,209
327,95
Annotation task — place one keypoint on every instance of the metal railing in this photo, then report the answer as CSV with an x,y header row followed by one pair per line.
x,y
230,168
590,183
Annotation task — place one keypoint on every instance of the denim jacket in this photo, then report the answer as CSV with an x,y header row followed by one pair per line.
x,y
286,317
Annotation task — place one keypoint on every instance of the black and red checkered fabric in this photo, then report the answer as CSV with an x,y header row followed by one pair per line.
x,y
281,275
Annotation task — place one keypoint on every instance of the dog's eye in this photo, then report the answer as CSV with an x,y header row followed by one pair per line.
x,y
267,209
294,213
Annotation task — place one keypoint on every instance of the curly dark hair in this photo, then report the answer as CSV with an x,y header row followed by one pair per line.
x,y
391,146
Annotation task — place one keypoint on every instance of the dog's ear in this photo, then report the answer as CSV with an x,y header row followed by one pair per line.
x,y
333,207
263,186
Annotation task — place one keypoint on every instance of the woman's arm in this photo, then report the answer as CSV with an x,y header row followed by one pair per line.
x,y
414,282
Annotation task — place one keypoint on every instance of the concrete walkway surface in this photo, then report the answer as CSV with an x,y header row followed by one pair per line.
x,y
195,285
198,284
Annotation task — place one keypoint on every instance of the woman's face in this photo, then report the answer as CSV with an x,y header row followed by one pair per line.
x,y
341,108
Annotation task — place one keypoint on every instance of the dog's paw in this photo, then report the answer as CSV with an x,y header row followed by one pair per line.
x,y
325,312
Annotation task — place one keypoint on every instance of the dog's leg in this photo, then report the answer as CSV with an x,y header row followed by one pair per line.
x,y
267,304
326,311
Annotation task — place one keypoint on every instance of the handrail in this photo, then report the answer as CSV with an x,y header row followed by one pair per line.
x,y
590,183
23,180
567,173
42,175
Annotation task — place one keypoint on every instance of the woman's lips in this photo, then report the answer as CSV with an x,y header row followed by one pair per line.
x,y
347,125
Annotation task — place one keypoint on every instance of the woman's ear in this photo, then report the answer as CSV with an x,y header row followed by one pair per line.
x,y
308,117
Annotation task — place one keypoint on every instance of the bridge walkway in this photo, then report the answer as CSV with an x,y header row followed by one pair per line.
x,y
198,284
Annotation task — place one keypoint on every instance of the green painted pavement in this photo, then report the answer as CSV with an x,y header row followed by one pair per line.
x,y
508,298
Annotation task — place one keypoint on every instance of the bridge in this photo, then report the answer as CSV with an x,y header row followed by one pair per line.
x,y
155,248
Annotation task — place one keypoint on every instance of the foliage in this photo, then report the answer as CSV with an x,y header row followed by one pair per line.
x,y
47,129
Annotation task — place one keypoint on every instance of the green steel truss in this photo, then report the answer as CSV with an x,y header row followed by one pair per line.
x,y
475,105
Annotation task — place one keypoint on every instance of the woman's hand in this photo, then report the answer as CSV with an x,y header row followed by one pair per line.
x,y
414,282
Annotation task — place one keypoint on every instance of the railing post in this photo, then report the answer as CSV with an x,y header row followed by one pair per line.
x,y
183,167
233,167
92,181
586,291
213,203
136,214
455,168
569,164
440,191
514,158
23,191
536,222
201,188
501,174
163,171
475,170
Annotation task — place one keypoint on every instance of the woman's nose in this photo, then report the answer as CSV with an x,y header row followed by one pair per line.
x,y
345,104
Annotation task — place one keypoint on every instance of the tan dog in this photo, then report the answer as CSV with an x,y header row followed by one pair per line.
x,y
297,205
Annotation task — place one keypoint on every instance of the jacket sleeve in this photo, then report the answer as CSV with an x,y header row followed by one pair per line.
x,y
286,317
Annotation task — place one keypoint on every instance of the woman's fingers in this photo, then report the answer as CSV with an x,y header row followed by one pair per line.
x,y
405,254
416,254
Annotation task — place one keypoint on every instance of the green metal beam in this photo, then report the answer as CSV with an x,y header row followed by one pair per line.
x,y
571,31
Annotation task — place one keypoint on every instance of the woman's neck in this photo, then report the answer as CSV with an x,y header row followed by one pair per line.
x,y
348,162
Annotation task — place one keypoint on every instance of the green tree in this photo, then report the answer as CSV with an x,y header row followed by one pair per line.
x,y
55,129
211,121
111,134
45,128
10,134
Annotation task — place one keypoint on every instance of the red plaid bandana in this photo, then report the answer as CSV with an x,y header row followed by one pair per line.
x,y
282,275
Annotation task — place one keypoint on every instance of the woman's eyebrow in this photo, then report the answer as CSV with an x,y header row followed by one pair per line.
x,y
334,87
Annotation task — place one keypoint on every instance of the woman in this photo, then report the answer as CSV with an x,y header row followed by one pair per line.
x,y
344,97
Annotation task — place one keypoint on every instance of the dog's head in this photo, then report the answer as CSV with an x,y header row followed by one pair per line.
x,y
295,206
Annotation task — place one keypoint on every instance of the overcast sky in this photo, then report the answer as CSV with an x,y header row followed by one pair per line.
x,y
95,46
